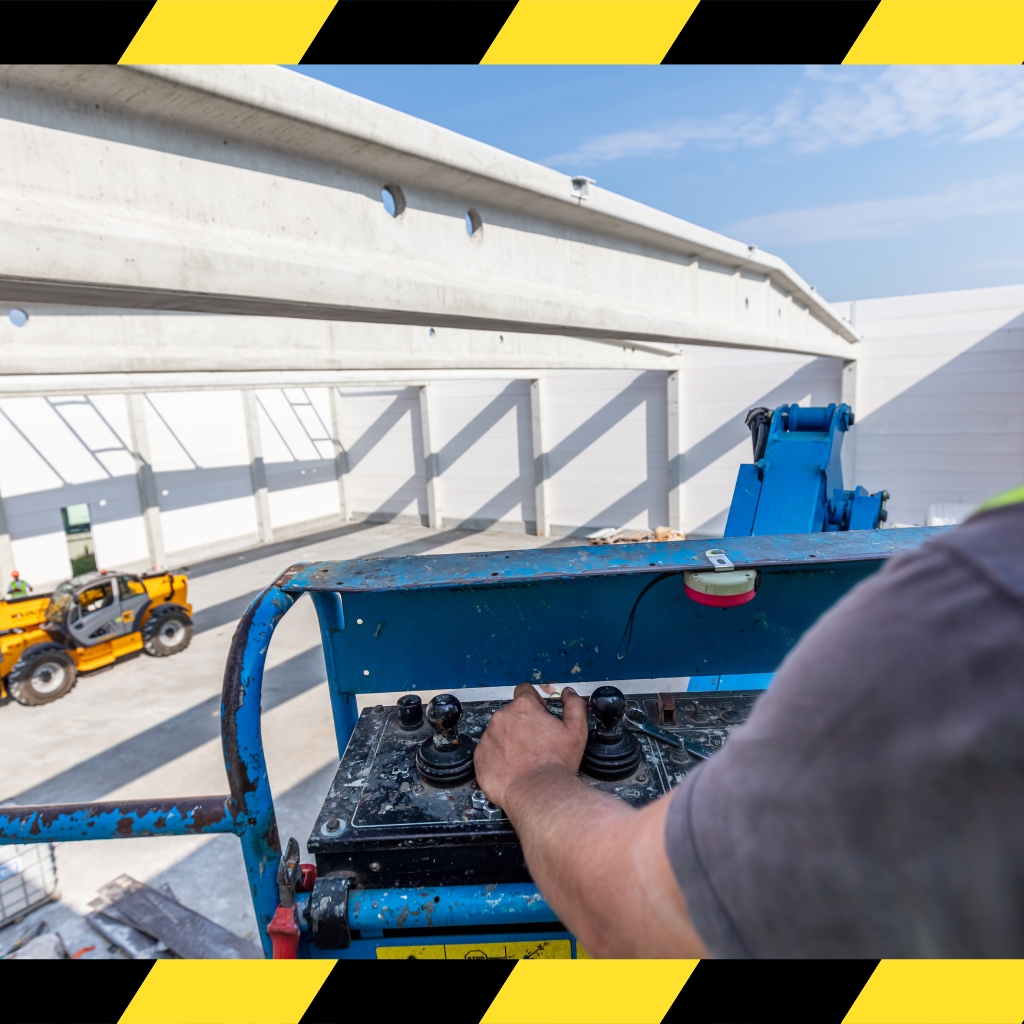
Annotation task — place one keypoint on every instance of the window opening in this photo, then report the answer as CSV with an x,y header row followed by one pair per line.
x,y
78,532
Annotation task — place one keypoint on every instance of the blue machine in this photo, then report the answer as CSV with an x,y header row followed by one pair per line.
x,y
451,621
795,483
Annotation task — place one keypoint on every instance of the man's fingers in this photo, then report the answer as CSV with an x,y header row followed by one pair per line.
x,y
574,710
527,690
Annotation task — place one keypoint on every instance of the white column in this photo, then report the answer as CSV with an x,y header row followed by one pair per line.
x,y
6,553
675,450
340,455
541,467
849,396
431,464
149,502
257,469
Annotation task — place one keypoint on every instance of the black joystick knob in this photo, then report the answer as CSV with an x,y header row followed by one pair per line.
x,y
608,705
446,758
410,712
612,752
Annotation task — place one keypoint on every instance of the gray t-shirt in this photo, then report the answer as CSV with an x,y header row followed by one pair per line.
x,y
873,805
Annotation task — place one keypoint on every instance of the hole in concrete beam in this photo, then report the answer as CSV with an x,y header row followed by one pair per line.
x,y
393,199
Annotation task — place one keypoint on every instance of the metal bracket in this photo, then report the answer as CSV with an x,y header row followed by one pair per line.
x,y
720,560
328,913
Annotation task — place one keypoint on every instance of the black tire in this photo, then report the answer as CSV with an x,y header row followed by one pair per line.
x,y
167,631
42,675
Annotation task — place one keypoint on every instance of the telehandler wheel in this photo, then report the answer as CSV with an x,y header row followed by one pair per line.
x,y
166,632
42,675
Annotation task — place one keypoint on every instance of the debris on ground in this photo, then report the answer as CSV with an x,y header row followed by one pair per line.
x,y
614,535
148,923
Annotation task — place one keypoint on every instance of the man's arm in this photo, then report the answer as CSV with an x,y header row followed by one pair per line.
x,y
601,864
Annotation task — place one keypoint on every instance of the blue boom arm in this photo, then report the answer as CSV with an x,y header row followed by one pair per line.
x,y
795,484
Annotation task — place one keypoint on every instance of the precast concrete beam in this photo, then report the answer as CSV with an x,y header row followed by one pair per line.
x,y
256,192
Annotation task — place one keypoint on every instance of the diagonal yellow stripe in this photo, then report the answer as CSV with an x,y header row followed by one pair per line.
x,y
942,992
589,991
589,31
942,32
227,32
227,991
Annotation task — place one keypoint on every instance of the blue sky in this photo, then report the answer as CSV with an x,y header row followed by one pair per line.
x,y
868,181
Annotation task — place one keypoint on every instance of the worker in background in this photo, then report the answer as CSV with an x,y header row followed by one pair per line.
x,y
17,587
871,806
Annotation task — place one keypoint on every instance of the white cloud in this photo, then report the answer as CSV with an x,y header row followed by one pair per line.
x,y
845,107
883,218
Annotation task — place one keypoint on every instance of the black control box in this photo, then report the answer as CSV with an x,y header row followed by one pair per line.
x,y
405,810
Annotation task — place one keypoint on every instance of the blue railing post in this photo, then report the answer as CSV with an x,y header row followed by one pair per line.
x,y
251,802
331,615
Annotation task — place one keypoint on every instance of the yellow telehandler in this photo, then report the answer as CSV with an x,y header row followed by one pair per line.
x,y
87,623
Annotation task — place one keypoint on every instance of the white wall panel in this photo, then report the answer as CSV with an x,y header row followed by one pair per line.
x,y
940,397
485,448
299,458
43,559
381,434
608,449
201,466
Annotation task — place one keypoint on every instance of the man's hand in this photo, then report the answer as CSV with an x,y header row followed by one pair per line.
x,y
524,739
600,864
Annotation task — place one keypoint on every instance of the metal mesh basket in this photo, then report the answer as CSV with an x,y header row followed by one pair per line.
x,y
28,879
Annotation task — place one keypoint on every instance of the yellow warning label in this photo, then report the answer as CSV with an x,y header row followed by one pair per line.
x,y
548,949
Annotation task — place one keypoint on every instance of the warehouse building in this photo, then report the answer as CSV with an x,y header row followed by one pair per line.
x,y
244,306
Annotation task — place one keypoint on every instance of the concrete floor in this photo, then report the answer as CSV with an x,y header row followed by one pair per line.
x,y
151,727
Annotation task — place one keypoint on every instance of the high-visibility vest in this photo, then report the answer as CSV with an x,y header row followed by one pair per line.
x,y
17,587
1014,496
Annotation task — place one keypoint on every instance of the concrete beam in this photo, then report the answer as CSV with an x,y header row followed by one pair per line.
x,y
431,461
149,502
541,464
254,191
676,504
340,454
257,468
7,565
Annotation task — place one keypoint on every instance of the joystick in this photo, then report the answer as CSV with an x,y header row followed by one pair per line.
x,y
410,712
611,752
446,758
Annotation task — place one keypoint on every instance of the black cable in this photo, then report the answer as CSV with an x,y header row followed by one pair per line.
x,y
627,634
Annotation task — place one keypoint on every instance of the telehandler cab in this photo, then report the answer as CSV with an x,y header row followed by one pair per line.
x,y
87,623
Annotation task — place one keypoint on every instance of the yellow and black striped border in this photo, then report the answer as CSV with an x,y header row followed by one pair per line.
x,y
526,992
510,32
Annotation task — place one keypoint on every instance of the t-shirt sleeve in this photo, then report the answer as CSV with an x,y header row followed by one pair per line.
x,y
872,804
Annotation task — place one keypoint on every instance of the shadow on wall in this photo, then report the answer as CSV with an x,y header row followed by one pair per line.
x,y
956,436
597,425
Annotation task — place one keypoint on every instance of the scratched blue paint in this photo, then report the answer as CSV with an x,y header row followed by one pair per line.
x,y
493,568
454,906
111,820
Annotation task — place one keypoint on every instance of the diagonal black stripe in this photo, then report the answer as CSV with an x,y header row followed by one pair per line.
x,y
770,32
770,992
398,992
69,31
408,32
102,999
